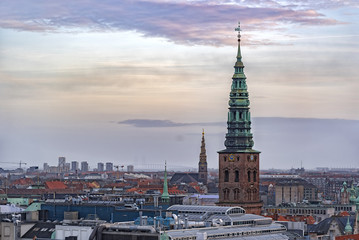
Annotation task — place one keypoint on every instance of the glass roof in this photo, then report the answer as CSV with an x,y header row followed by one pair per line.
x,y
205,209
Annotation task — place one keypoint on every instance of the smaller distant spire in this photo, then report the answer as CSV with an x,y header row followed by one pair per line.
x,y
202,155
202,165
348,228
165,196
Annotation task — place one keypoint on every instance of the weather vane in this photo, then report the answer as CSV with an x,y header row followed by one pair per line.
x,y
238,29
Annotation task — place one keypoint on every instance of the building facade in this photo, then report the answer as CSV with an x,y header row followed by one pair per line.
x,y
84,166
62,164
130,168
74,166
294,191
109,167
100,167
239,163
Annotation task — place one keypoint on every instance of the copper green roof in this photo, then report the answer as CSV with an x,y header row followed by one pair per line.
x,y
239,137
348,228
165,196
35,206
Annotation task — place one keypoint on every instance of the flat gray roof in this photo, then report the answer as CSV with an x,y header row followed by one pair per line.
x,y
224,230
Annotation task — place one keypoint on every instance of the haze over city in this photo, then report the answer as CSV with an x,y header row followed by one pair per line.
x,y
80,80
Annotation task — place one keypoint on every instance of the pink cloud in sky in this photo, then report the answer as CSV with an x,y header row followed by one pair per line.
x,y
206,23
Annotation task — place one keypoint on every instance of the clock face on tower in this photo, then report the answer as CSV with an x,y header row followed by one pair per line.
x,y
231,157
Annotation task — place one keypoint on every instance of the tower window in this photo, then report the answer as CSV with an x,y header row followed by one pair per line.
x,y
226,175
254,176
226,194
249,194
236,179
249,176
225,159
236,194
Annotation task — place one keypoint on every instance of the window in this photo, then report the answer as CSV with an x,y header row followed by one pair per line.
x,y
236,194
226,194
226,175
236,178
7,231
249,176
254,176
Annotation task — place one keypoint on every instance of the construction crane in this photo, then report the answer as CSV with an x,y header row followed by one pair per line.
x,y
20,163
118,171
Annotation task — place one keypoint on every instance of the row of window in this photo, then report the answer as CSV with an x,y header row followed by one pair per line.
x,y
235,210
235,234
251,193
238,115
251,175
296,211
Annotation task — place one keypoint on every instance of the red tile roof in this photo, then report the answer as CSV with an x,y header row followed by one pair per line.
x,y
348,237
55,185
23,181
344,214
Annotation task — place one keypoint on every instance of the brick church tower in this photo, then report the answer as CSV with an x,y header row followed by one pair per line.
x,y
202,164
239,163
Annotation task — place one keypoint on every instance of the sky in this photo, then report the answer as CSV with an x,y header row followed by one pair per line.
x,y
134,82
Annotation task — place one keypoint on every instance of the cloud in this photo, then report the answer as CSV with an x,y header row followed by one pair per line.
x,y
151,123
183,22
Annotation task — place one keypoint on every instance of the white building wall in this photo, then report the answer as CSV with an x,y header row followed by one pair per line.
x,y
81,232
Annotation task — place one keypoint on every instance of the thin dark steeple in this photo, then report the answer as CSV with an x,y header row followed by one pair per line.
x,y
202,165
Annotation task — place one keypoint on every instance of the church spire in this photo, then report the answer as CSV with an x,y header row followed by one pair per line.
x,y
165,196
202,155
202,165
348,228
239,136
238,183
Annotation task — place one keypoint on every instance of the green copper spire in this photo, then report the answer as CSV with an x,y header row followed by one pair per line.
x,y
239,137
348,228
165,196
352,197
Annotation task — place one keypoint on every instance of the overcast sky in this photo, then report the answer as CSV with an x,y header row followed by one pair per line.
x,y
134,82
